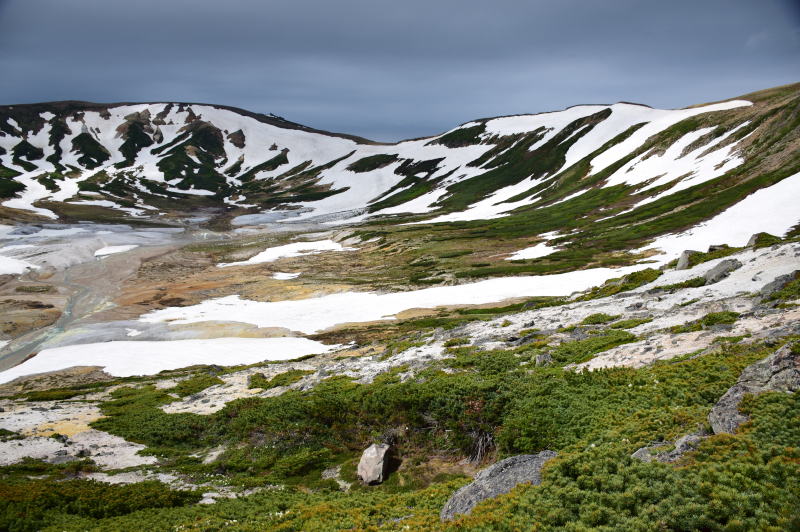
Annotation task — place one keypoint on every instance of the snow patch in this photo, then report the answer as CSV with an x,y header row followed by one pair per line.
x,y
772,210
296,249
111,250
316,314
534,252
128,358
283,276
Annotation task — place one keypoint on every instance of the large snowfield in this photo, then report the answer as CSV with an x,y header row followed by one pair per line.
x,y
317,314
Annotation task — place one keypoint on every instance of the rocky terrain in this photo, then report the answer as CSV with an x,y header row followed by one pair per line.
x,y
228,320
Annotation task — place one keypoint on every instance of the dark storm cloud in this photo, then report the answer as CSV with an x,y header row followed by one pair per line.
x,y
389,70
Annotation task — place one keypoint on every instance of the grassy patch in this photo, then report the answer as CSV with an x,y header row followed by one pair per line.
x,y
622,284
598,318
371,163
579,351
195,384
34,288
694,282
707,321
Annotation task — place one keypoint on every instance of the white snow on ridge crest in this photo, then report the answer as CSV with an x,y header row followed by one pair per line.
x,y
661,120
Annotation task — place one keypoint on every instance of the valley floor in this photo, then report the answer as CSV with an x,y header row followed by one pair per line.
x,y
246,371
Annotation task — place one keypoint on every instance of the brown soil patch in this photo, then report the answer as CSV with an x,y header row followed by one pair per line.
x,y
74,376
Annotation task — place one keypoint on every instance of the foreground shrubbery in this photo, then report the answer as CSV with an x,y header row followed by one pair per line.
x,y
594,420
496,395
32,504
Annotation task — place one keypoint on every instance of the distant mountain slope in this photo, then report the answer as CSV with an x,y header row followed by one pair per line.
x,y
80,160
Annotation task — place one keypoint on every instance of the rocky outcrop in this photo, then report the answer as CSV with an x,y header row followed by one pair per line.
x,y
374,463
762,239
685,258
666,452
778,283
721,270
495,480
778,372
717,247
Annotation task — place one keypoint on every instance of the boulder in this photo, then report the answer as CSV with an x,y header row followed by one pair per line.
x,y
759,240
721,270
778,372
778,283
717,247
495,480
544,359
373,464
683,260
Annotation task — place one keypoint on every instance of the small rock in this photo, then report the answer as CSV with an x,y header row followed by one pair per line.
x,y
721,270
373,464
683,260
683,445
717,247
778,372
495,480
544,359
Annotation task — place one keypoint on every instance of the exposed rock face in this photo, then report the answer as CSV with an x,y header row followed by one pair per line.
x,y
721,270
662,452
778,372
495,480
683,260
778,283
372,466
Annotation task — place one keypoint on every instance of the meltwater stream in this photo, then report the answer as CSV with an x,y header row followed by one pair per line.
x,y
65,256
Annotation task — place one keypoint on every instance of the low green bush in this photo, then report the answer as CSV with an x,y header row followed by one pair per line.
x,y
599,318
195,384
31,505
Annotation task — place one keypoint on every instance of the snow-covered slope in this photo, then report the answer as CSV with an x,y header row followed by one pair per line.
x,y
72,159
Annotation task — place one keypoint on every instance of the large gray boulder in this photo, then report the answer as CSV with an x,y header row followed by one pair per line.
x,y
778,372
721,270
778,283
495,480
683,260
373,464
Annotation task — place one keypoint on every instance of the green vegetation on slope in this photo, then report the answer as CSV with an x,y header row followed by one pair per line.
x,y
594,420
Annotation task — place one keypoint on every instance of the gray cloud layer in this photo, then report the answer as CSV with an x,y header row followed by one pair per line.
x,y
389,70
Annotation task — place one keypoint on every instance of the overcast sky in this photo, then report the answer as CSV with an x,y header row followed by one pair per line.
x,y
388,69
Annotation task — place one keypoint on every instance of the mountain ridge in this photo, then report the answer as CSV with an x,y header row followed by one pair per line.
x,y
610,164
